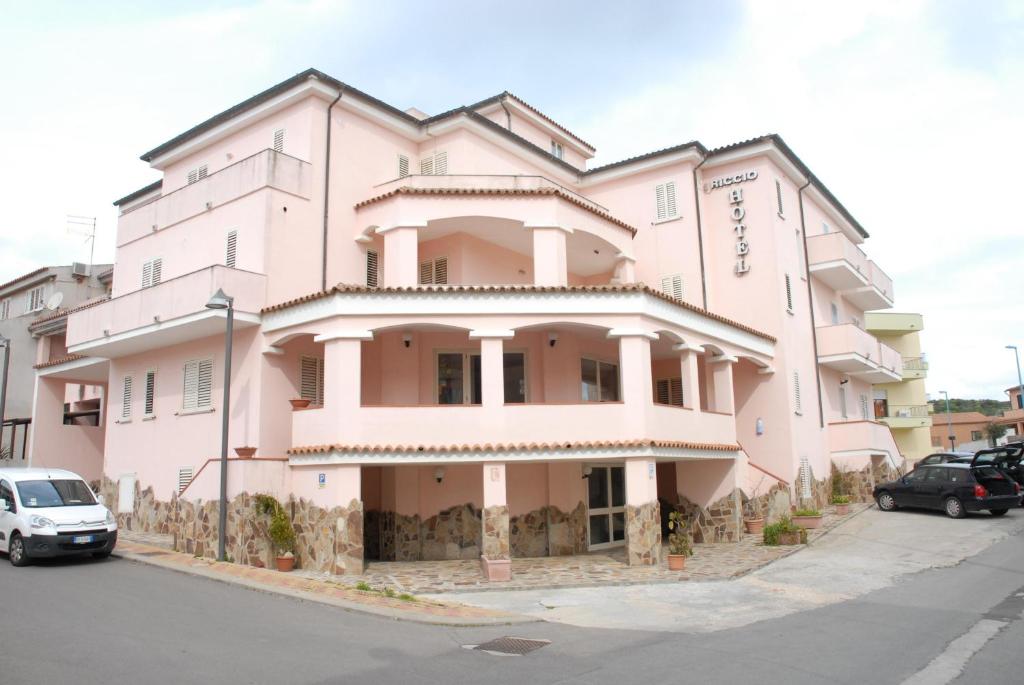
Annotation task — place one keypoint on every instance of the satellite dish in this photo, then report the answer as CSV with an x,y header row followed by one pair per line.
x,y
54,301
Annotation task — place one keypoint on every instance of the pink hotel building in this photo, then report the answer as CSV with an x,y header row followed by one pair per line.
x,y
504,352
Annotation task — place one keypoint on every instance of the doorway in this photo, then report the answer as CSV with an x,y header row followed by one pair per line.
x,y
606,506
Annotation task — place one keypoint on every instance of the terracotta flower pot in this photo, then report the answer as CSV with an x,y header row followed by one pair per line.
x,y
842,509
754,526
245,452
676,562
789,538
299,404
285,564
808,522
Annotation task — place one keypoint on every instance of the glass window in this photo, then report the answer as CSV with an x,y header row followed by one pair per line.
x,y
7,494
588,385
618,526
55,493
916,475
599,381
957,476
975,435
609,379
597,487
599,533
515,377
618,487
449,378
935,474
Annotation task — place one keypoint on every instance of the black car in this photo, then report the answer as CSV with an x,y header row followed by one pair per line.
x,y
1007,458
952,487
947,457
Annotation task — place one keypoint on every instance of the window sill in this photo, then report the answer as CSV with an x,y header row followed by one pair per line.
x,y
122,420
149,417
190,412
666,221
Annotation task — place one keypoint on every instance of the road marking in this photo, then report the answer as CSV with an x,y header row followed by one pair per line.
x,y
950,664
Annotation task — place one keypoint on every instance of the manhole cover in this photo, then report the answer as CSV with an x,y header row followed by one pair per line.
x,y
511,646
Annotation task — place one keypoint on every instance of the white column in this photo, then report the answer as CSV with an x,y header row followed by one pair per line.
x,y
401,256
690,374
492,365
721,379
625,270
550,266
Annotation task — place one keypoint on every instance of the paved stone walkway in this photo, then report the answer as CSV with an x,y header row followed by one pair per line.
x,y
715,561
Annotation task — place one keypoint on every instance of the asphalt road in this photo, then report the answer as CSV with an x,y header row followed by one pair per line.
x,y
120,622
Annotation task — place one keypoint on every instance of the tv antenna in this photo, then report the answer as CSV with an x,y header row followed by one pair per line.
x,y
87,229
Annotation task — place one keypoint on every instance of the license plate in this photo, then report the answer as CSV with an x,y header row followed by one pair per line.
x,y
81,539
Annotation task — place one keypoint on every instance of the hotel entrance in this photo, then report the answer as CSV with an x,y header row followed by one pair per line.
x,y
606,506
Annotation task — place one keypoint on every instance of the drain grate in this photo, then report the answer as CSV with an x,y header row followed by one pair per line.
x,y
511,646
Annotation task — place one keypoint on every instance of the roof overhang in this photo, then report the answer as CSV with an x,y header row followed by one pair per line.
x,y
87,370
195,326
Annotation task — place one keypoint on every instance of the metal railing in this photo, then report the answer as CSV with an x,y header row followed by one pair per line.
x,y
915,364
907,411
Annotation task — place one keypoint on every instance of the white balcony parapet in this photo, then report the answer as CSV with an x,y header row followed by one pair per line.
x,y
837,262
854,351
498,182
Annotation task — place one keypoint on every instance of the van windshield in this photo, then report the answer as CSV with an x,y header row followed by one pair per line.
x,y
54,493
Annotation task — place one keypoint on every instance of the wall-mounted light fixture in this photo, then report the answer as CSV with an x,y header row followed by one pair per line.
x,y
552,339
439,474
759,426
587,471
844,381
407,339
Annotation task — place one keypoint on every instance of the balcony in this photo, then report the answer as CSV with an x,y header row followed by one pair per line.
x,y
837,262
170,313
914,367
851,350
266,169
494,182
899,416
862,438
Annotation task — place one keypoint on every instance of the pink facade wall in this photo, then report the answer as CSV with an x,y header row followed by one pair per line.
x,y
54,445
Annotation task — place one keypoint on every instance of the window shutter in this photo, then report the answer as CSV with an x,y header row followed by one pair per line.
x,y
426,272
441,271
797,404
842,402
864,407
659,198
441,163
279,140
672,286
147,274
205,392
789,294
805,478
320,382
193,176
427,166
229,259
126,398
778,195
661,391
403,166
670,199
189,398
372,262
5,310
184,478
157,265
201,172
309,376
150,392
675,386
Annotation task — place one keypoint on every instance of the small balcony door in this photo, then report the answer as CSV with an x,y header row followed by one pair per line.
x,y
458,377
606,507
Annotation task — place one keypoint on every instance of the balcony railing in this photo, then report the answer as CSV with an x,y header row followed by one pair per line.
x,y
915,364
907,411
266,169
835,260
851,349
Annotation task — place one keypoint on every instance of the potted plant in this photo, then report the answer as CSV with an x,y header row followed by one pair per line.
x,y
842,504
784,532
299,403
678,542
245,452
807,518
282,534
753,522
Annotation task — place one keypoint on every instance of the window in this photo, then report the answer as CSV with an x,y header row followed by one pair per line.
x,y
458,378
842,402
126,398
672,286
797,405
556,150
151,272
7,495
834,310
789,294
372,265
232,249
197,174
198,386
311,379
606,506
150,393
778,197
434,271
403,166
669,391
864,407
279,140
665,201
5,309
35,299
599,381
975,435
434,165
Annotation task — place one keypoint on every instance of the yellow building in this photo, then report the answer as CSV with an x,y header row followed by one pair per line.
x,y
903,405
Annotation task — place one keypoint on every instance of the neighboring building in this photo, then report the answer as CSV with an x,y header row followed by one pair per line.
x,y
968,428
464,311
903,405
1013,418
21,301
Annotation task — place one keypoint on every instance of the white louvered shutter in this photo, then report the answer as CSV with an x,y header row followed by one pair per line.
x,y
201,172
864,407
372,264
670,199
147,274
672,286
205,394
426,272
150,393
843,412
797,403
190,392
184,478
441,163
789,293
126,398
403,166
660,202
778,195
805,478
279,140
232,249
309,378
157,268
427,166
193,176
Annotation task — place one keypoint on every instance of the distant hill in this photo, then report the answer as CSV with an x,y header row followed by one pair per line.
x,y
986,407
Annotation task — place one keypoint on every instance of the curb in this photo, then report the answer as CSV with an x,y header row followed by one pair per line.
x,y
338,603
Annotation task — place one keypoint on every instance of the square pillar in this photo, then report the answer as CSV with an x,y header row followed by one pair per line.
x,y
495,562
643,514
625,270
550,266
492,365
690,375
721,381
635,384
343,360
401,256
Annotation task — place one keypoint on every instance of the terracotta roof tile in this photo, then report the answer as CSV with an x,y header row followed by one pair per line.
x,y
22,277
518,447
59,361
343,288
537,192
548,119
58,313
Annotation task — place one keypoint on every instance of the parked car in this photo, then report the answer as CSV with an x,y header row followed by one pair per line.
x,y
952,487
1006,458
946,457
51,513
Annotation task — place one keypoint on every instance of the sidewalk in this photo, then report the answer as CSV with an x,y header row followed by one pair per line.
x,y
335,594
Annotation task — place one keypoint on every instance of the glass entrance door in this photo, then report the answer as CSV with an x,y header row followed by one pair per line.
x,y
606,506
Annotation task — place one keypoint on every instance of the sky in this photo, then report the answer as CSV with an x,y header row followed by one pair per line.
x,y
911,112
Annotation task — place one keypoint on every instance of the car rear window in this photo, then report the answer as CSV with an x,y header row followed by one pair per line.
x,y
987,472
958,475
54,493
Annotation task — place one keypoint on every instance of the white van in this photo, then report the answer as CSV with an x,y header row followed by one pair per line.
x,y
52,513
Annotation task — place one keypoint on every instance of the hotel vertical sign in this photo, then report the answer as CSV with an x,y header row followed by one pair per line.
x,y
737,216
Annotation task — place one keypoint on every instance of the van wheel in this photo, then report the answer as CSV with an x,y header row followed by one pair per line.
x,y
998,512
886,502
955,508
16,551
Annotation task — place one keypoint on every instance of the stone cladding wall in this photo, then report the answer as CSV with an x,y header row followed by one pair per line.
x,y
643,534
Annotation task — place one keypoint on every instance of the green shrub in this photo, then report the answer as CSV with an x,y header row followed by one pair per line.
x,y
388,592
406,597
840,499
806,512
783,525
678,541
282,534
364,586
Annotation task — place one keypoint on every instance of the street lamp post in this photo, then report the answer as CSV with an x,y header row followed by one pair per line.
x,y
1020,383
949,422
222,301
